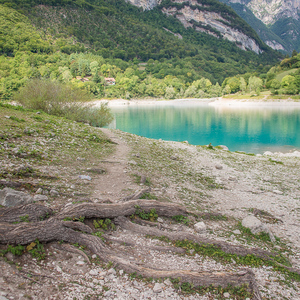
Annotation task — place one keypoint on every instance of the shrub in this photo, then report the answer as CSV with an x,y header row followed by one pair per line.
x,y
62,100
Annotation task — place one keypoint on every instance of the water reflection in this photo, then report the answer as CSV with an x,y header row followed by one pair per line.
x,y
244,129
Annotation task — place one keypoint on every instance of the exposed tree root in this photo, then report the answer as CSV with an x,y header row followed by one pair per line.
x,y
35,212
55,229
175,236
113,210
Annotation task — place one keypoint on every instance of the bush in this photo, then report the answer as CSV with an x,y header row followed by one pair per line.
x,y
62,100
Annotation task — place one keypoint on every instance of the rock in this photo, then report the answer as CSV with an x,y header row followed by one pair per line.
x,y
236,231
10,197
93,272
112,271
94,256
54,193
268,153
39,191
160,220
277,192
226,295
219,167
157,288
85,177
232,178
200,227
253,224
223,147
80,263
40,198
58,269
257,226
121,272
168,282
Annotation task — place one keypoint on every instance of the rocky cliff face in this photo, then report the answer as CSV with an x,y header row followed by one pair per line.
x,y
145,4
208,20
192,13
269,11
281,16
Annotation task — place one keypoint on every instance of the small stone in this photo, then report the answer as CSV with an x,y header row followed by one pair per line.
x,y
160,220
268,153
93,272
80,158
174,157
226,295
112,271
40,198
236,231
200,227
39,191
121,272
85,177
277,192
80,263
232,178
223,147
54,193
167,282
157,288
219,167
94,256
58,269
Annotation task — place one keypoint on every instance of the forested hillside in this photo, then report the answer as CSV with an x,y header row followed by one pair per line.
x,y
97,39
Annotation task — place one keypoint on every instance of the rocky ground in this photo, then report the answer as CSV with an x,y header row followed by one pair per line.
x,y
65,163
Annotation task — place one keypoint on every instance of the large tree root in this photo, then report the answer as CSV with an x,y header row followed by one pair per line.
x,y
32,212
55,229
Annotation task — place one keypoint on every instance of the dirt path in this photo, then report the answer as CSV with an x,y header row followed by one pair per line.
x,y
116,183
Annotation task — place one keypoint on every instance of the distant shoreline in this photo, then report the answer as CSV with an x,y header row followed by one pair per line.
x,y
216,102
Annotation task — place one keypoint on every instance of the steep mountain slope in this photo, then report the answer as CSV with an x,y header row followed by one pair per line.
x,y
282,17
209,16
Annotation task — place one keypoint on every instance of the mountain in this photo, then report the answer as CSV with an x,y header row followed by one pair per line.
x,y
169,46
280,17
211,17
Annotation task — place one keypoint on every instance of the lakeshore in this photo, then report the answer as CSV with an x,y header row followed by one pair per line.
x,y
220,101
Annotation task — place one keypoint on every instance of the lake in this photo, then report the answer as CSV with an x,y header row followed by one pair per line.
x,y
249,129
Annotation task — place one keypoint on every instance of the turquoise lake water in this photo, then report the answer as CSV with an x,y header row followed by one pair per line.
x,y
240,129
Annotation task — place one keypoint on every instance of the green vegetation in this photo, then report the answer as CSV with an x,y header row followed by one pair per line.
x,y
151,216
104,224
82,43
277,261
36,249
59,99
181,219
240,293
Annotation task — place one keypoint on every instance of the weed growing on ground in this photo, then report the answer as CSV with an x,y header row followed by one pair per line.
x,y
151,216
104,224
